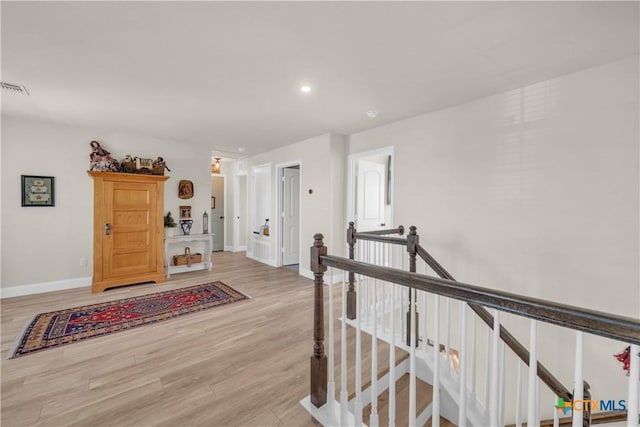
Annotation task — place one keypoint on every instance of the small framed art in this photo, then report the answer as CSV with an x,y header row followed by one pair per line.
x,y
38,190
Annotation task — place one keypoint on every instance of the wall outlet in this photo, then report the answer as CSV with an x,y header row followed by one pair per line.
x,y
83,262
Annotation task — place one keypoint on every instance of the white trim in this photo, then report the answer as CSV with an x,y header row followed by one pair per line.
x,y
40,288
236,210
228,248
279,223
270,262
351,171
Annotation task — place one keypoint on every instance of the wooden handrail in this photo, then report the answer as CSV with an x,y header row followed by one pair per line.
x,y
384,239
594,322
398,230
520,350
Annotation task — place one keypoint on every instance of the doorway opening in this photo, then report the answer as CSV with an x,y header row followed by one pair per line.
x,y
289,215
217,216
370,192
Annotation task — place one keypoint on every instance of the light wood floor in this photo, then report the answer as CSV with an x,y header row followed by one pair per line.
x,y
243,364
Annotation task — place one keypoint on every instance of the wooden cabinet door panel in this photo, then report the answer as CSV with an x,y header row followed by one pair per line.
x,y
130,211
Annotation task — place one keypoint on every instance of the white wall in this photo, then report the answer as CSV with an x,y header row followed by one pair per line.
x,y
534,191
44,245
322,171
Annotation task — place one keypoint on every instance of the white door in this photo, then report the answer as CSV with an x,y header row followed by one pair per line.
x,y
217,212
291,217
370,196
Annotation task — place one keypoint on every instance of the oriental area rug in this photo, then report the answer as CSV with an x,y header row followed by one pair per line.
x,y
57,328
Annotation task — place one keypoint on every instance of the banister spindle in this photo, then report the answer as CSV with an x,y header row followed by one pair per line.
x,y
358,380
412,248
392,359
435,401
462,356
495,373
331,384
533,374
519,395
373,418
351,293
344,394
318,358
412,361
578,380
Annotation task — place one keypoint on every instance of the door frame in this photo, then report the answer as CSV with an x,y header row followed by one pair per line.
x,y
236,210
280,167
351,181
225,247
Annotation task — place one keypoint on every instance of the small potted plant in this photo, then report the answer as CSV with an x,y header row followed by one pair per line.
x,y
169,225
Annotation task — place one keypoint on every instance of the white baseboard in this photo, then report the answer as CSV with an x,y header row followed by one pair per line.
x,y
40,288
239,249
228,248
336,278
270,262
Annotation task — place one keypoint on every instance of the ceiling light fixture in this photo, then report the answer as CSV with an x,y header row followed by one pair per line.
x,y
215,167
241,149
372,114
305,89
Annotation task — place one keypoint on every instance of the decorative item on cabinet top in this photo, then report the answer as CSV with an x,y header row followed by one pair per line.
x,y
101,160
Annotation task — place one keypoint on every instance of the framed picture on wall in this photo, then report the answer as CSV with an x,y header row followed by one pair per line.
x,y
37,190
185,212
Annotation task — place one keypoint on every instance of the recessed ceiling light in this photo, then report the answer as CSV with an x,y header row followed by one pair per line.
x,y
372,114
241,149
305,89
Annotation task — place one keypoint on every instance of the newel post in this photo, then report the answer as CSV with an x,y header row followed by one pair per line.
x,y
318,358
412,248
351,293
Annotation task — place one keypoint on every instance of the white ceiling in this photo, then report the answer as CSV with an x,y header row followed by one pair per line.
x,y
227,74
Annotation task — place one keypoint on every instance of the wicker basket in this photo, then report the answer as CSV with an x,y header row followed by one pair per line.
x,y
188,258
130,167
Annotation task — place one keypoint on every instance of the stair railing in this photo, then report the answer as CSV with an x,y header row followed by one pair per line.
x,y
582,320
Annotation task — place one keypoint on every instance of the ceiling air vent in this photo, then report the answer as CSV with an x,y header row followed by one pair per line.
x,y
19,89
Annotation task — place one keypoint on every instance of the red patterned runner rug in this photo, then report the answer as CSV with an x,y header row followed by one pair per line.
x,y
49,330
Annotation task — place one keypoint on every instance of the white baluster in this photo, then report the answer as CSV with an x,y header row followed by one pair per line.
x,y
447,342
632,395
556,415
503,363
462,356
474,360
392,360
344,395
358,380
425,335
538,402
487,375
412,360
519,396
533,374
373,420
578,384
331,386
435,417
495,374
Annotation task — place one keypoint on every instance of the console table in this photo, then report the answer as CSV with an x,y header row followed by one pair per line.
x,y
206,263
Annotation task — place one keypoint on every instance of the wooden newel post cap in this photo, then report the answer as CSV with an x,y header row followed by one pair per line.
x,y
412,239
317,250
351,234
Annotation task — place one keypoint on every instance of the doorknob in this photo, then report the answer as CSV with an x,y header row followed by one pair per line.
x,y
383,225
107,229
221,217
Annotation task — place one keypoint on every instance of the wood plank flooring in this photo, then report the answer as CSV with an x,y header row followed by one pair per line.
x,y
243,364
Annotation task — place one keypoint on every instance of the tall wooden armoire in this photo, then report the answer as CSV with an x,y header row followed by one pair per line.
x,y
128,229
